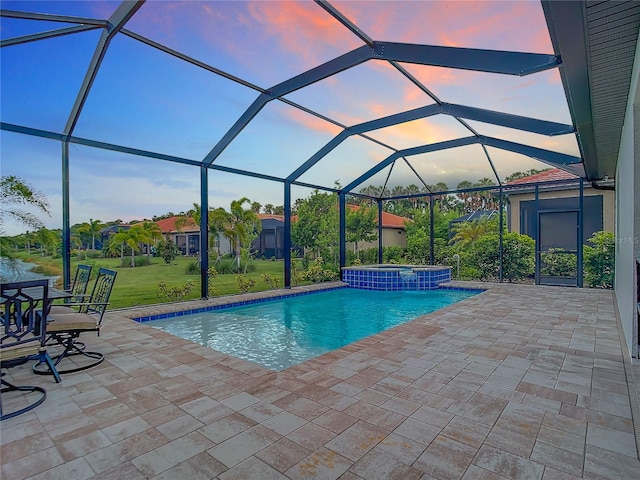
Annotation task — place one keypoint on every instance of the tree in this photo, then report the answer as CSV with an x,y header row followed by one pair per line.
x,y
469,232
361,224
15,192
134,237
167,250
240,226
317,225
118,240
94,229
47,240
154,234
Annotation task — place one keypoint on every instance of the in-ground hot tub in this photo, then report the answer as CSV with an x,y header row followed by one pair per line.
x,y
396,277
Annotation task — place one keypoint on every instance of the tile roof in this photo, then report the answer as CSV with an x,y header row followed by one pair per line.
x,y
388,219
546,176
168,225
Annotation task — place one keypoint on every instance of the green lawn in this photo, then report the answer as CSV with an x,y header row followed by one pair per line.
x,y
139,285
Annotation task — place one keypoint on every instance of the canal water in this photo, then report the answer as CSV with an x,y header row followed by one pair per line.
x,y
18,271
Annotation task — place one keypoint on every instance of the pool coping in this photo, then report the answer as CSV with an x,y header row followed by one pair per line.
x,y
144,314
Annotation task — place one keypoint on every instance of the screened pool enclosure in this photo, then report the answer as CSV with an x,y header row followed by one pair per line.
x,y
140,107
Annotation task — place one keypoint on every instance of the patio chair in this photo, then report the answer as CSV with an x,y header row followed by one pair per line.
x,y
23,337
78,290
65,328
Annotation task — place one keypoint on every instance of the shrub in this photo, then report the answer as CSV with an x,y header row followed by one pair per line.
x,y
271,281
599,260
167,250
212,273
317,273
173,294
483,257
392,254
558,264
418,247
228,265
244,284
193,268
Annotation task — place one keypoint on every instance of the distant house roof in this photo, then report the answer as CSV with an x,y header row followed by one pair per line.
x,y
389,220
113,229
554,174
168,225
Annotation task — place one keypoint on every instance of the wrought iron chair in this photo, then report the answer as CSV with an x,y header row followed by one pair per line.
x,y
65,328
78,290
23,336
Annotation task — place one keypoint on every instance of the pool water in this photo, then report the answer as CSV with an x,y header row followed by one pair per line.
x,y
284,332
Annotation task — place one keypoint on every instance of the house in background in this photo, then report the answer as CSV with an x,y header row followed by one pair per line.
x,y
270,242
186,237
393,231
549,208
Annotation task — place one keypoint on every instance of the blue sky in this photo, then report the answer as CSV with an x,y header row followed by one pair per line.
x,y
146,99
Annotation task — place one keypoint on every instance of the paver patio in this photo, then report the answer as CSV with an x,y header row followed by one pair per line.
x,y
522,382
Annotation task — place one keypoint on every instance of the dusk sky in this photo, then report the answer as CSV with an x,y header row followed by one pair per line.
x,y
146,99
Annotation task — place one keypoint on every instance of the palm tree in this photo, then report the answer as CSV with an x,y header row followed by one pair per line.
x,y
94,229
240,226
119,239
468,232
154,233
134,237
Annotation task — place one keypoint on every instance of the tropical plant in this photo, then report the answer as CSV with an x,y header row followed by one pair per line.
x,y
134,237
240,226
153,235
468,232
117,243
599,260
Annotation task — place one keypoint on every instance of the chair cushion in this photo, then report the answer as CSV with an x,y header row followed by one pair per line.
x,y
71,321
11,352
61,309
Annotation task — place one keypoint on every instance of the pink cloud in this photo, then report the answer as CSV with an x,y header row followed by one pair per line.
x,y
301,28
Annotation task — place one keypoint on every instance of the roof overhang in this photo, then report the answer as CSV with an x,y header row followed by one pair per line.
x,y
596,42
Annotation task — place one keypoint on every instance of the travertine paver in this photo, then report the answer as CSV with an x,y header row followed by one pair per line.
x,y
520,382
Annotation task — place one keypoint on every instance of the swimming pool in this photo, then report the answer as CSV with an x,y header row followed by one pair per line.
x,y
281,333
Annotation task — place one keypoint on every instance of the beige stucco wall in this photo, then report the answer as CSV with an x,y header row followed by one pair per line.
x,y
390,237
608,204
